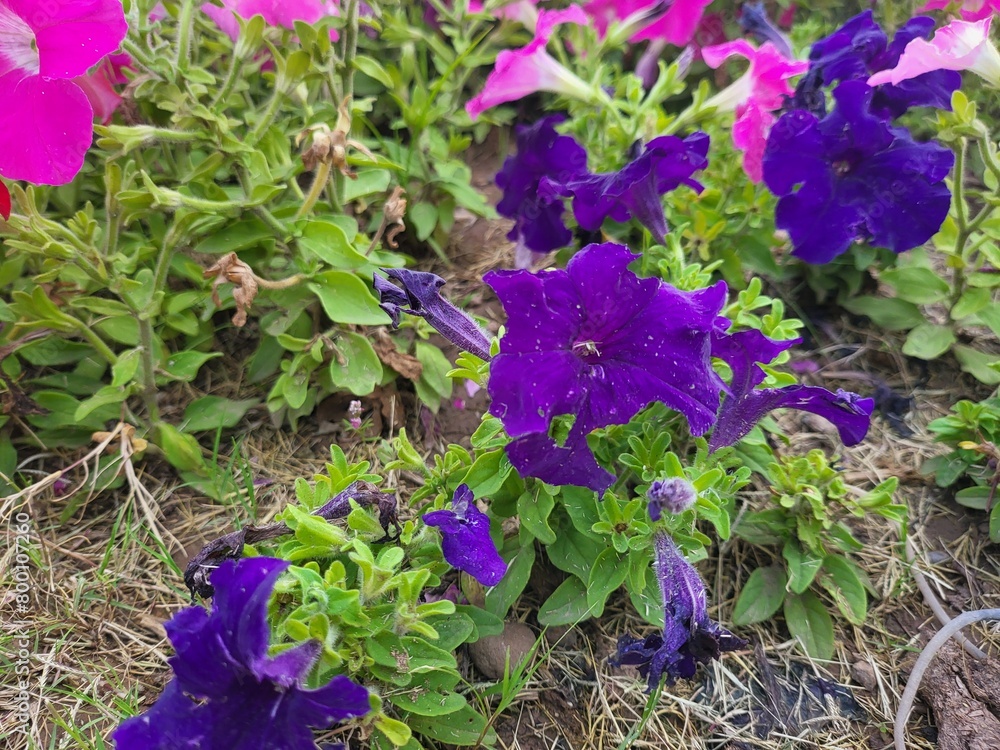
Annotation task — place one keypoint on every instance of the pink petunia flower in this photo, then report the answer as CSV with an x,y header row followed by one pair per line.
x,y
524,71
961,45
753,97
676,26
970,10
282,13
46,122
99,85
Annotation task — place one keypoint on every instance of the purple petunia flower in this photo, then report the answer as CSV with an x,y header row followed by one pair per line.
x,y
859,49
754,21
227,692
419,296
466,542
537,213
852,175
597,343
747,404
634,191
689,637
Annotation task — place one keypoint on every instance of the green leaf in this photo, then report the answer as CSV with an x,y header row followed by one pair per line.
x,y
346,299
180,449
893,314
914,284
214,412
488,473
808,620
573,551
534,508
423,217
974,497
519,563
609,572
330,243
928,341
428,703
396,731
368,182
978,364
355,365
373,69
802,567
184,366
971,302
761,596
245,233
433,383
463,727
567,605
841,581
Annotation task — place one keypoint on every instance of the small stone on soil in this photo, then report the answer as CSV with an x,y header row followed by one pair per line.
x,y
489,654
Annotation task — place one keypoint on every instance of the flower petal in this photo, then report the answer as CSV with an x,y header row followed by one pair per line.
x,y
4,201
72,35
46,127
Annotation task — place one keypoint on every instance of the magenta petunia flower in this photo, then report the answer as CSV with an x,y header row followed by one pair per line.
x,y
677,25
970,10
465,538
47,122
227,691
282,13
758,93
530,69
961,45
99,85
595,344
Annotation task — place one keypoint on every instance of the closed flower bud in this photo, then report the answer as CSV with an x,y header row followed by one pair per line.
x,y
673,495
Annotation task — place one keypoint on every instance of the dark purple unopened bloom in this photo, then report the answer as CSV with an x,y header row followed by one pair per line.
x,y
754,21
597,343
420,296
538,213
466,542
689,637
747,404
860,48
634,191
673,495
852,175
227,692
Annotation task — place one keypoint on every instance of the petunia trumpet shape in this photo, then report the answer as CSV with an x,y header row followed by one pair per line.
x,y
677,25
420,296
595,344
689,636
970,10
524,71
227,692
466,542
47,122
634,191
282,13
759,92
538,214
852,175
961,45
746,404
859,49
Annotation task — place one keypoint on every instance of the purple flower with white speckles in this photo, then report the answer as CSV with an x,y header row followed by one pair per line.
x,y
466,542
746,404
852,175
597,343
227,692
673,495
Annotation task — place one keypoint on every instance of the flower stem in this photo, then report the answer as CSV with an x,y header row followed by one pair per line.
x,y
318,184
267,118
185,24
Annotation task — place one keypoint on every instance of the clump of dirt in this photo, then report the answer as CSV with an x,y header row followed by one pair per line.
x,y
964,694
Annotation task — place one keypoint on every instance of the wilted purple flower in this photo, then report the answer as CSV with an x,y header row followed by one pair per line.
x,y
420,296
466,542
227,692
746,404
597,343
860,48
852,175
673,495
634,191
754,21
689,637
537,213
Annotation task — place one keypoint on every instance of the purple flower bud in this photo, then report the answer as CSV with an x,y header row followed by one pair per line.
x,y
673,495
466,542
420,296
